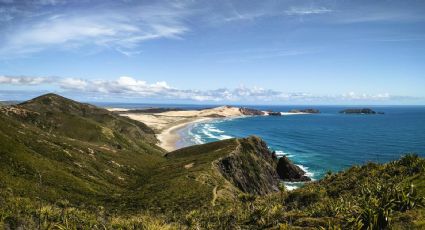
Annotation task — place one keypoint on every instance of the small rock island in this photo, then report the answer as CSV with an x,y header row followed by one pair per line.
x,y
360,111
275,113
304,111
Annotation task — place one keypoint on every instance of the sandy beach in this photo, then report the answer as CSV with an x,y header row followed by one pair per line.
x,y
167,124
168,138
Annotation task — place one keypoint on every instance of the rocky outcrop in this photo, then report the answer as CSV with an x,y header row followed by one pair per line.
x,y
254,169
359,111
274,113
288,171
251,112
304,111
251,167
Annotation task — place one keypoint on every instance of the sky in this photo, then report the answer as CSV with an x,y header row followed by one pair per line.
x,y
215,52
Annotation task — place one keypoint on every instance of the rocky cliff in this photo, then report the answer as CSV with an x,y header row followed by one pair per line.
x,y
251,112
250,167
288,171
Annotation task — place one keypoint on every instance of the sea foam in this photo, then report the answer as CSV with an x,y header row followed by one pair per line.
x,y
281,153
208,130
305,169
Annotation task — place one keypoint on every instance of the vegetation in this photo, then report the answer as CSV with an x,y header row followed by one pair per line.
x,y
66,165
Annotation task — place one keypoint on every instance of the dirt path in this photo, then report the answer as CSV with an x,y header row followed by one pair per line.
x,y
214,195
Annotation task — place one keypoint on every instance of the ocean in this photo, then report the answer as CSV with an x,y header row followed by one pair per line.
x,y
323,142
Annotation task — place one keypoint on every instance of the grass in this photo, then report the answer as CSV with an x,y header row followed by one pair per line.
x,y
66,165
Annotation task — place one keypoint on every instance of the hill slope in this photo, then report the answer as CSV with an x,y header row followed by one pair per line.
x,y
56,149
209,174
68,165
79,151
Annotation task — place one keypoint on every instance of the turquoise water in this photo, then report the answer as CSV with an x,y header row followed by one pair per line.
x,y
326,141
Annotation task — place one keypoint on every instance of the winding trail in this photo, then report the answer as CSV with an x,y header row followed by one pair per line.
x,y
214,195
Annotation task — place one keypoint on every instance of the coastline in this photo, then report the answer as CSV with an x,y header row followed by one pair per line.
x,y
167,124
169,137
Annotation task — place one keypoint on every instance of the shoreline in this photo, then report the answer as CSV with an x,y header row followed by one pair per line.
x,y
167,124
169,137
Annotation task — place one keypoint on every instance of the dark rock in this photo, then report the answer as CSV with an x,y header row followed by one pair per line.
x,y
288,171
251,112
251,168
358,111
310,111
304,111
275,114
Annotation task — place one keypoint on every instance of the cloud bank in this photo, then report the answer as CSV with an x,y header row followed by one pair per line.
x,y
129,87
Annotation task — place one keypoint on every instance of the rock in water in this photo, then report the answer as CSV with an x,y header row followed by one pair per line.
x,y
275,114
358,111
304,111
288,171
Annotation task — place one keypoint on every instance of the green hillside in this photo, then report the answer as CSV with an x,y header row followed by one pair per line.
x,y
78,151
68,165
193,177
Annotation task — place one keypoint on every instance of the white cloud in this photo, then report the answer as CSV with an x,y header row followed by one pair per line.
x,y
24,80
129,87
122,29
364,96
73,84
236,16
122,86
300,11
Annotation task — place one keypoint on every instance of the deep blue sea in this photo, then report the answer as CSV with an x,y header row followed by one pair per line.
x,y
325,141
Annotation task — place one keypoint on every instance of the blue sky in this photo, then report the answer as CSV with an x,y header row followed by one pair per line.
x,y
223,52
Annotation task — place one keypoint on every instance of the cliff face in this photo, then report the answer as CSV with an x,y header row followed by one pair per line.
x,y
251,167
287,171
251,112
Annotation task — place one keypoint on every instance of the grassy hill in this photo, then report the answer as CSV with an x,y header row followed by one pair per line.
x,y
77,151
193,177
68,165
